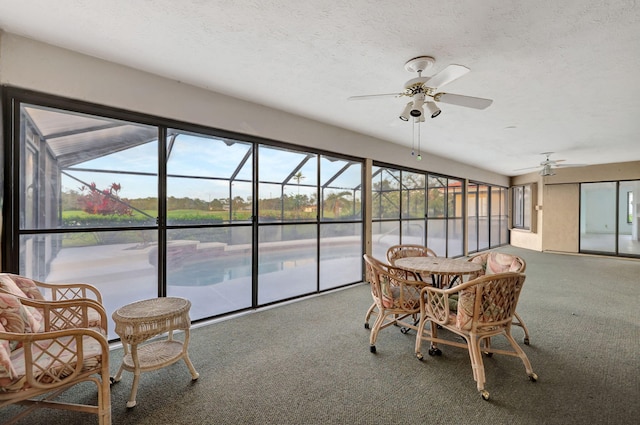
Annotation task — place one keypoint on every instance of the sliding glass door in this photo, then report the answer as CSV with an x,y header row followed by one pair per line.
x,y
609,218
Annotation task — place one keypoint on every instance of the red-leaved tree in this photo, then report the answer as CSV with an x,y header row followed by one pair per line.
x,y
104,202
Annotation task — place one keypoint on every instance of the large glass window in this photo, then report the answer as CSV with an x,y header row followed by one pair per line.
x,y
410,207
144,211
521,206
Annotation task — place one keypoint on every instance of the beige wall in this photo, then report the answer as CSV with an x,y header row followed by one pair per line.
x,y
558,204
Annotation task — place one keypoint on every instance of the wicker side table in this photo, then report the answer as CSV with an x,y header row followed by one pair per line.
x,y
142,320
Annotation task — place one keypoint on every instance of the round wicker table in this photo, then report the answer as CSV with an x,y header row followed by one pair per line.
x,y
141,321
441,269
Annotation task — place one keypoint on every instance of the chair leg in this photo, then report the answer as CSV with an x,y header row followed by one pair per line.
x,y
372,310
518,322
374,332
477,365
419,333
523,356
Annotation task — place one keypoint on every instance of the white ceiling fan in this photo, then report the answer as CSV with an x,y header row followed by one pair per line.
x,y
424,90
548,165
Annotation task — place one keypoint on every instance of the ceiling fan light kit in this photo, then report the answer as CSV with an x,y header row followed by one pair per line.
x,y
420,87
548,166
547,171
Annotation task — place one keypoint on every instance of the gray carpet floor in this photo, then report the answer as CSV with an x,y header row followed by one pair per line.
x,y
308,362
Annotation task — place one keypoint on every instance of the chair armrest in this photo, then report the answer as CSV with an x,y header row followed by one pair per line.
x,y
70,314
53,359
69,291
434,304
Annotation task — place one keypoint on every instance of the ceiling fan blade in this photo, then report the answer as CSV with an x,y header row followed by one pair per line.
x,y
375,96
460,100
526,168
447,75
570,165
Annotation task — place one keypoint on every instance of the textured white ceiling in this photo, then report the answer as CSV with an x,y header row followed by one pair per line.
x,y
564,75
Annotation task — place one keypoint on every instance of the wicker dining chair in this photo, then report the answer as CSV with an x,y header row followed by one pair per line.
x,y
498,262
485,309
393,253
47,347
408,250
395,294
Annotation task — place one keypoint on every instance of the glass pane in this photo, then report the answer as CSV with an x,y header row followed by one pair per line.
x,y
384,234
122,264
527,207
483,217
504,224
455,242
210,267
437,237
413,201
288,188
598,217
341,186
287,261
455,203
205,182
494,237
436,205
473,235
413,232
385,197
340,254
86,171
628,224
472,210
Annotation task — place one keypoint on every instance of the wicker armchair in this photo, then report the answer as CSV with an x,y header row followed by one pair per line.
x,y
485,309
498,262
393,253
47,347
395,293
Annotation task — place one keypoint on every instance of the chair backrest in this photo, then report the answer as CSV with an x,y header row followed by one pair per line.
x,y
488,301
498,262
408,250
388,284
20,286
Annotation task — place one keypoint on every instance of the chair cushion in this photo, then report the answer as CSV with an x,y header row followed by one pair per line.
x,y
16,317
20,286
13,318
498,262
464,312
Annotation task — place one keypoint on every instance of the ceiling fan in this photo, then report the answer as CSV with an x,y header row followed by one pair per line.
x,y
548,165
422,89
